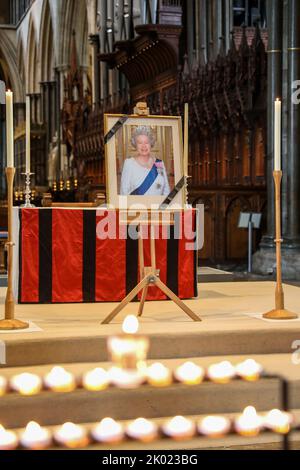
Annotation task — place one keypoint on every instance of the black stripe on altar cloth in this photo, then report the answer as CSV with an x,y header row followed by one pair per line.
x,y
20,257
195,226
172,255
89,255
45,255
132,261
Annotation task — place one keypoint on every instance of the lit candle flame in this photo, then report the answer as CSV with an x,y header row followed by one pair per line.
x,y
141,428
26,384
108,430
214,425
35,436
130,324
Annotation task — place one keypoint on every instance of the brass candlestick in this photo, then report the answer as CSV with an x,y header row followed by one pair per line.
x,y
9,323
279,312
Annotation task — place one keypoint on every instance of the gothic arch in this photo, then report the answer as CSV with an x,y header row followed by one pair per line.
x,y
9,65
32,64
46,49
74,17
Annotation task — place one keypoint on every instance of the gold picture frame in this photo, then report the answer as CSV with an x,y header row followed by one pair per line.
x,y
166,147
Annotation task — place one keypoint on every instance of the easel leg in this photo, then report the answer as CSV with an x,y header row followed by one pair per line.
x,y
142,302
176,299
126,301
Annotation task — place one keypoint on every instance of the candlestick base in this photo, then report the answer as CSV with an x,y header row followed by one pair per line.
x,y
280,314
13,325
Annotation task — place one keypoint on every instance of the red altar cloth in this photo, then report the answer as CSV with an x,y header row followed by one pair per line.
x,y
62,259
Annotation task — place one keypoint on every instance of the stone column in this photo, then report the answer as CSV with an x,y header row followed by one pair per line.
x,y
95,42
264,259
190,31
291,229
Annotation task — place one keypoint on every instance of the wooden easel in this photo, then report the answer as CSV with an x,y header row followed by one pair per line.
x,y
149,276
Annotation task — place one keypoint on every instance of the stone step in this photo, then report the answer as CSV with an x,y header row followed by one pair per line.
x,y
148,401
170,345
264,441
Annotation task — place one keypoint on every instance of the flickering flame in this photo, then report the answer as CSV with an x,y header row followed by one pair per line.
x,y
158,374
141,428
249,369
26,384
179,427
35,436
96,379
214,425
189,373
8,439
278,421
249,421
130,324
108,430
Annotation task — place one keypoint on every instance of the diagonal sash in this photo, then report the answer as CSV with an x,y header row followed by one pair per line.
x,y
147,183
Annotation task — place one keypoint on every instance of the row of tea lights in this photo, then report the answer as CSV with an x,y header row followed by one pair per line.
x,y
157,374
109,431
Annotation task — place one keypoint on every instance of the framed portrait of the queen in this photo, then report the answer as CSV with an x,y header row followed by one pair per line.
x,y
143,160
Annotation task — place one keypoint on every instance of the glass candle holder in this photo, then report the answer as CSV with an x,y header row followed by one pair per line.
x,y
142,429
221,373
108,430
96,379
8,439
214,426
26,384
128,350
179,428
159,375
72,436
278,421
189,373
249,423
59,380
249,370
35,437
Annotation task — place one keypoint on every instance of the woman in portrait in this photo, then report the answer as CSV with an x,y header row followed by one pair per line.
x,y
143,173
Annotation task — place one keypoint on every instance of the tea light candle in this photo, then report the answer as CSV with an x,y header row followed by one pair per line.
x,y
159,375
8,439
126,378
189,373
129,350
3,385
34,437
108,430
142,429
249,423
278,421
222,372
179,428
96,379
26,384
214,426
59,380
249,370
71,435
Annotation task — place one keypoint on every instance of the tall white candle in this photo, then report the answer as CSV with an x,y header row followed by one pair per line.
x,y
27,134
277,135
9,128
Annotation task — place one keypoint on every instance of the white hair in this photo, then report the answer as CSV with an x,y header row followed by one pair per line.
x,y
142,130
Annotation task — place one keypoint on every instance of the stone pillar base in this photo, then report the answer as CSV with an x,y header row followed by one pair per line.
x,y
264,262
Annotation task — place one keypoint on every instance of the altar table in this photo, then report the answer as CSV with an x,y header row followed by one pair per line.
x,y
59,257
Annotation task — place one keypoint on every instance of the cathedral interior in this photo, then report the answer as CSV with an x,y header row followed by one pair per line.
x,y
229,59
72,375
